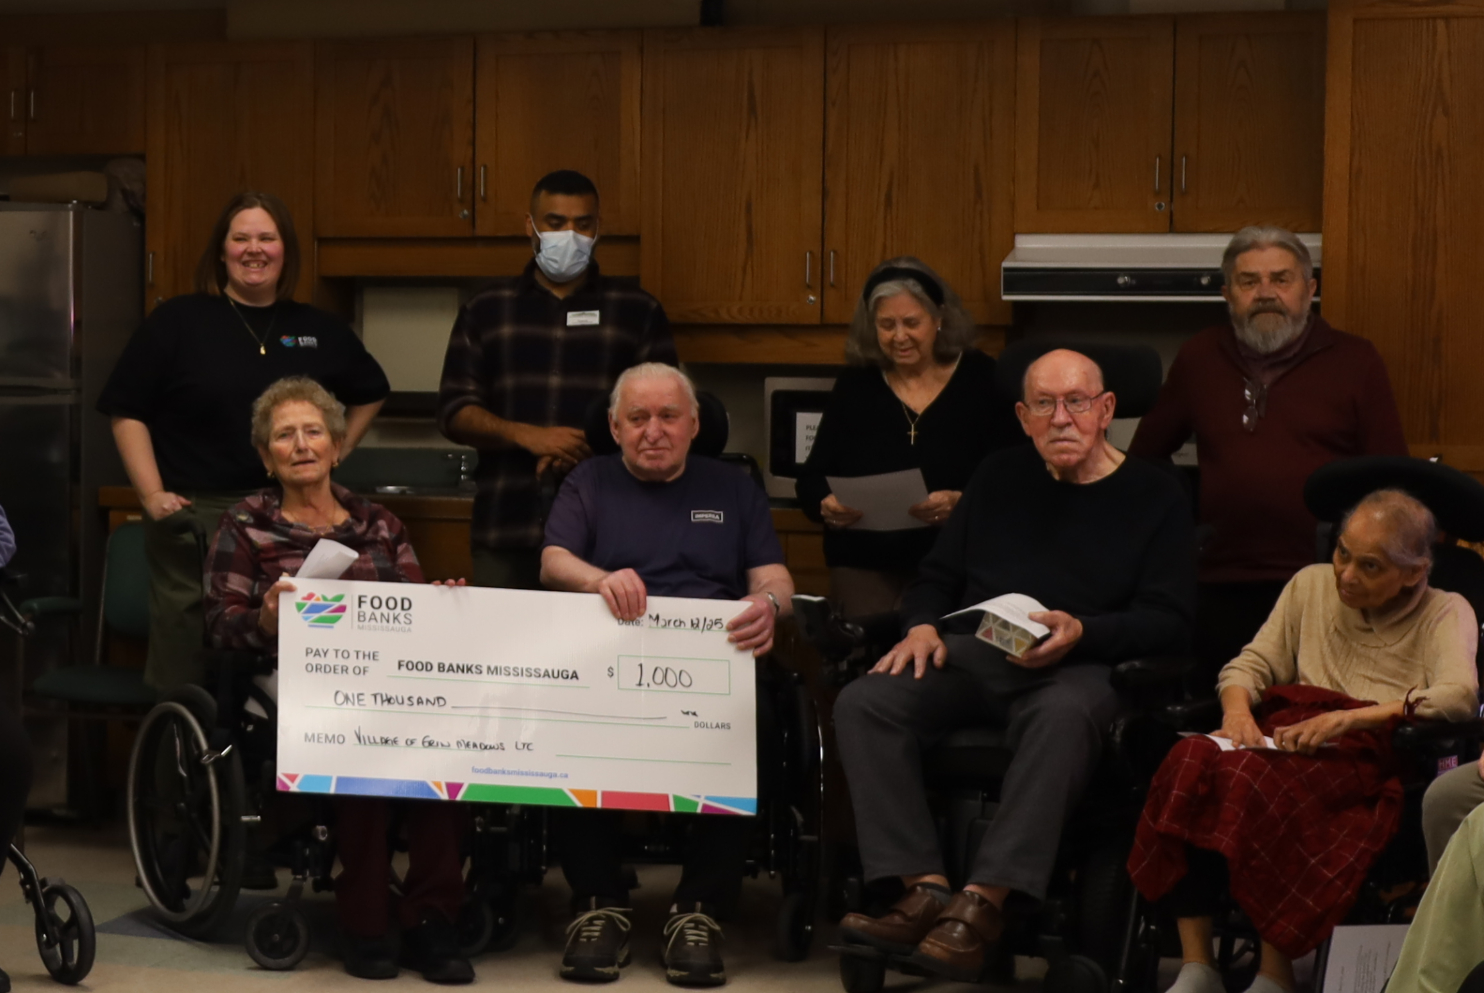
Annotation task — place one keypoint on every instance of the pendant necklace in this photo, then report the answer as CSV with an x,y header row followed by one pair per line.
x,y
262,341
911,422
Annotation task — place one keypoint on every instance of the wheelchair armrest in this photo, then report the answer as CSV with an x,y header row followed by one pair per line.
x,y
827,631
1192,715
1157,670
48,606
1410,737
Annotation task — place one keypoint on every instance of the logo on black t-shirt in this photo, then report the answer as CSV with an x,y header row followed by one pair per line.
x,y
299,341
705,517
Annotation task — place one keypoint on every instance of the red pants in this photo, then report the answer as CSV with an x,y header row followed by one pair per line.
x,y
434,880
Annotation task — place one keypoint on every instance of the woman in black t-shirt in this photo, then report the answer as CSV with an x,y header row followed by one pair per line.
x,y
181,401
921,397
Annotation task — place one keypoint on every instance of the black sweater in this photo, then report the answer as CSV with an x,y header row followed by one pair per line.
x,y
193,369
1117,554
864,431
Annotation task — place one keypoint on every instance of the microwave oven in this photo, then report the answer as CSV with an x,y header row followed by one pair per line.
x,y
792,407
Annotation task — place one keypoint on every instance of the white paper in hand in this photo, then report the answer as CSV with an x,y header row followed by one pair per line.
x,y
326,560
1007,624
883,500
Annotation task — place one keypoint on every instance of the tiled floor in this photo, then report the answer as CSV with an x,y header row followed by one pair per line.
x,y
135,956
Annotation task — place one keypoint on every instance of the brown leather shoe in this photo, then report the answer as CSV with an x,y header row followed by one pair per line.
x,y
899,929
958,945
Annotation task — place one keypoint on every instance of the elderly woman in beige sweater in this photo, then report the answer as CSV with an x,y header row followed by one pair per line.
x,y
1367,626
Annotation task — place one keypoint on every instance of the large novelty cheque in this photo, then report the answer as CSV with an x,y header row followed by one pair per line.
x,y
514,696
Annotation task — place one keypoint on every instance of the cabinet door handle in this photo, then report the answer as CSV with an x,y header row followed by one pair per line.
x,y
1156,174
149,269
808,270
1182,174
458,184
832,267
33,105
483,190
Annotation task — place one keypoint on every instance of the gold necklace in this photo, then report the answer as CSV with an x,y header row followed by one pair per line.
x,y
262,342
911,421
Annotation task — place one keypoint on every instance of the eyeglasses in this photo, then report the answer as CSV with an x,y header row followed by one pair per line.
x,y
1256,395
1075,404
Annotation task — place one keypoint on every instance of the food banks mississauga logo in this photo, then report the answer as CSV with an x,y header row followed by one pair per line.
x,y
320,609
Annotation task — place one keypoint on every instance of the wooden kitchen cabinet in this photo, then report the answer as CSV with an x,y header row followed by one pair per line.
x,y
1249,121
919,157
1402,212
556,100
733,125
1093,124
223,118
13,91
85,100
394,135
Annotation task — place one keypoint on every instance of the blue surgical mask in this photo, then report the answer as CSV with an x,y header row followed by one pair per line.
x,y
564,255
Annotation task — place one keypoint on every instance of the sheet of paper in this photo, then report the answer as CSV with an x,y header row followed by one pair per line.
x,y
326,560
1006,623
514,696
1361,957
806,426
883,500
1226,744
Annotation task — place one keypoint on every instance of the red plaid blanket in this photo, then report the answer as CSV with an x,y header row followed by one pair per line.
x,y
1298,832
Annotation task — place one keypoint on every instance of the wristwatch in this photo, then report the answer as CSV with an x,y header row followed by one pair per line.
x,y
777,607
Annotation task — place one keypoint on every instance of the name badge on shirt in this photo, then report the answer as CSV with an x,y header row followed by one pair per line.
x,y
580,317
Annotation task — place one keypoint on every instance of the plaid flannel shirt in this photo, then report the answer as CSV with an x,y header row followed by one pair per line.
x,y
516,351
255,546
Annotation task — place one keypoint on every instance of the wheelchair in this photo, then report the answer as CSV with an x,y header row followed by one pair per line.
x,y
1391,891
1086,926
790,805
201,778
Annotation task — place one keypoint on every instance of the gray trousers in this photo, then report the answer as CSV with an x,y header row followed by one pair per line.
x,y
1056,719
1450,798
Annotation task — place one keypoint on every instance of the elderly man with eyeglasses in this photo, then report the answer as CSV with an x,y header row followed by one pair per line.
x,y
1105,543
1269,396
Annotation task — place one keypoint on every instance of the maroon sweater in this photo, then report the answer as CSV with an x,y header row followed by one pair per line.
x,y
1335,403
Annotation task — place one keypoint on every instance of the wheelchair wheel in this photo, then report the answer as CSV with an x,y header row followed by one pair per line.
x,y
475,927
277,936
1075,974
70,958
185,810
1103,906
859,974
794,932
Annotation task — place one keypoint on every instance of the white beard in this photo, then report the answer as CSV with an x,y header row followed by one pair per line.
x,y
1267,332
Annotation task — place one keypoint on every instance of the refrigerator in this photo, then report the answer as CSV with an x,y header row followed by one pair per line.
x,y
70,297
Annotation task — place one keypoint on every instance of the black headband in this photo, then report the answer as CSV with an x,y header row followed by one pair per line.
x,y
893,273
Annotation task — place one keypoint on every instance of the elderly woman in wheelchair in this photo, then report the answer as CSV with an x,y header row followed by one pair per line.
x,y
298,429
1297,793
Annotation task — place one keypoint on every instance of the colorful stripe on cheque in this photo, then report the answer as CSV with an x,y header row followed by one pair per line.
x,y
291,782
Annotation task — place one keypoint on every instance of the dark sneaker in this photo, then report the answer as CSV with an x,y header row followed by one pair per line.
x,y
371,958
597,944
693,950
430,949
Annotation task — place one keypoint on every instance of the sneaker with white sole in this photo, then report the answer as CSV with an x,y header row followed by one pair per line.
x,y
693,949
597,944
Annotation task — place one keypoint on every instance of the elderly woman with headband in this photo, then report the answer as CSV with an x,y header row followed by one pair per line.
x,y
919,396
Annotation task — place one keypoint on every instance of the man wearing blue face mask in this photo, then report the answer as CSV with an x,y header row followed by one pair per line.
x,y
525,360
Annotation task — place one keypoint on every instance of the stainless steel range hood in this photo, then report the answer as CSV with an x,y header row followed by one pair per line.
x,y
1156,268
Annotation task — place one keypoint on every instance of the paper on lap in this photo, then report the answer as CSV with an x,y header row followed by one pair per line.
x,y
1007,624
1227,745
883,500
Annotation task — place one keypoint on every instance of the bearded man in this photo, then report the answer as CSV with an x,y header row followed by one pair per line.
x,y
1269,397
